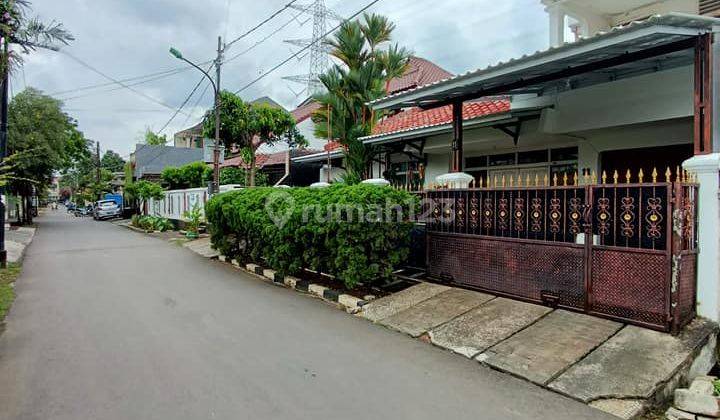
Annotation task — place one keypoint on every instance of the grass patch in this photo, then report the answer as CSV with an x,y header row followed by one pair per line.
x,y
7,293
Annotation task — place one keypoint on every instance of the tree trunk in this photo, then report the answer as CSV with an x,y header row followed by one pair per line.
x,y
252,170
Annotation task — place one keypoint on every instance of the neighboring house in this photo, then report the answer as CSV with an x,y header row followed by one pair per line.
x,y
419,72
555,177
277,166
149,161
191,137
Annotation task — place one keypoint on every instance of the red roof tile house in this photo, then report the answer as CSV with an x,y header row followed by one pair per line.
x,y
556,177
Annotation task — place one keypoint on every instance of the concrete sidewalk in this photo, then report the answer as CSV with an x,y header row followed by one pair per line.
x,y
16,240
618,368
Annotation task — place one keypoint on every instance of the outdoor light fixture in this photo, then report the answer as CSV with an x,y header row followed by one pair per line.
x,y
175,52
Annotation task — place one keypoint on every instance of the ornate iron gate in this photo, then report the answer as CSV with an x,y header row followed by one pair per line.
x,y
625,251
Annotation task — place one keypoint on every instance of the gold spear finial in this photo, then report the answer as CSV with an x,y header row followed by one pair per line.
x,y
480,182
502,182
686,178
616,176
604,177
545,180
628,176
593,177
511,181
575,179
555,180
654,175
668,175
537,180
527,180
640,176
678,174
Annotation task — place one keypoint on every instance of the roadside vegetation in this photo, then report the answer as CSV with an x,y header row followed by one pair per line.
x,y
7,291
350,232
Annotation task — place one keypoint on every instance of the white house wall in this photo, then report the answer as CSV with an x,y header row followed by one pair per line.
x,y
653,97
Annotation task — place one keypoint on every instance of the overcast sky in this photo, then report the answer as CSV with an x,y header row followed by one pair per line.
x,y
129,38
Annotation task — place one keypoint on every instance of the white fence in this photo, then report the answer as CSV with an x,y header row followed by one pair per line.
x,y
177,202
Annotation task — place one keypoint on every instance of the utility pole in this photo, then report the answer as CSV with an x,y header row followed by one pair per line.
x,y
3,141
216,86
216,148
97,166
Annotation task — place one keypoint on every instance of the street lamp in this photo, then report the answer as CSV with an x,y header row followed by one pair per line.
x,y
216,87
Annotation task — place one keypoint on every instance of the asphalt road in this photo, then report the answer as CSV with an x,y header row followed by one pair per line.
x,y
111,324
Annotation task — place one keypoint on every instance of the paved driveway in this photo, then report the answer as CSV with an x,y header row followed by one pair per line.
x,y
111,324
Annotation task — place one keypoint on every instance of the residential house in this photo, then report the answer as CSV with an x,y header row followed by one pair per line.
x,y
277,166
149,161
556,177
419,72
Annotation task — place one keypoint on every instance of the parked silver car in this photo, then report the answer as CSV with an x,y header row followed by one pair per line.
x,y
106,209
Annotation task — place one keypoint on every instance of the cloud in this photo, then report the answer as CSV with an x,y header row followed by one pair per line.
x,y
131,37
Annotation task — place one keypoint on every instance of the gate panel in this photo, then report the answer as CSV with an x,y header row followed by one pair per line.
x,y
630,286
530,270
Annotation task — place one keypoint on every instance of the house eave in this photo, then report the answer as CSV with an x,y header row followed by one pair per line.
x,y
637,36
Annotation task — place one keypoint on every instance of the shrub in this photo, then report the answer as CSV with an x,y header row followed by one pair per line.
x,y
242,225
192,175
151,223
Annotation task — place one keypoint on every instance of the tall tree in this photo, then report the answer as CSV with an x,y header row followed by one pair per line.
x,y
367,64
112,161
155,139
39,135
251,125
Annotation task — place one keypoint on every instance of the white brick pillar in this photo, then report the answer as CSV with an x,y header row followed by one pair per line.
x,y
707,168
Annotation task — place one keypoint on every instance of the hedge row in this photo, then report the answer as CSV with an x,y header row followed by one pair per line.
x,y
318,229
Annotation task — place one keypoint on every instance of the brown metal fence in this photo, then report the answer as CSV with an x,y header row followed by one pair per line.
x,y
625,251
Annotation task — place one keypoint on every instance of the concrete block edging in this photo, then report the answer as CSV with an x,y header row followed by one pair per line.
x,y
348,302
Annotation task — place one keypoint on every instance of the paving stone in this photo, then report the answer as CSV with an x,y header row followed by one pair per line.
x,y
624,409
692,402
316,289
702,385
674,414
435,311
549,346
390,305
633,363
270,274
486,325
291,281
349,301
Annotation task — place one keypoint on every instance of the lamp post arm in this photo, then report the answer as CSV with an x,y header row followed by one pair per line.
x,y
207,75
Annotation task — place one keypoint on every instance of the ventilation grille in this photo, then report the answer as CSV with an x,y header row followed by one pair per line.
x,y
710,7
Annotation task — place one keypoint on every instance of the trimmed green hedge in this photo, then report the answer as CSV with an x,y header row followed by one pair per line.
x,y
321,229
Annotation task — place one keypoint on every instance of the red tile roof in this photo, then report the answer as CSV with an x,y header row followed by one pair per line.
x,y
415,118
420,72
333,145
262,160
305,111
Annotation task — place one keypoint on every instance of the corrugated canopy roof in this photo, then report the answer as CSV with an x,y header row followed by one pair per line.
x,y
632,49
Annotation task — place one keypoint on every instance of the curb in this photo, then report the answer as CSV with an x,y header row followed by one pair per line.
x,y
349,303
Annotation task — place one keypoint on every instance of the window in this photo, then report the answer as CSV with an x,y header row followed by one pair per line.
x,y
502,160
476,162
566,153
534,156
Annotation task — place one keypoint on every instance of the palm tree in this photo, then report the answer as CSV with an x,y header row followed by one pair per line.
x,y
366,65
27,32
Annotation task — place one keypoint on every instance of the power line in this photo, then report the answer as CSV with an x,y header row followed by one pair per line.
x,y
169,72
184,103
113,89
195,105
250,48
253,29
282,63
93,69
